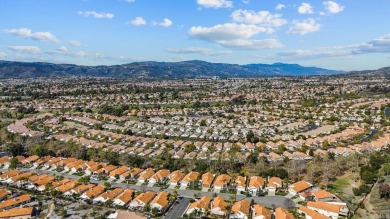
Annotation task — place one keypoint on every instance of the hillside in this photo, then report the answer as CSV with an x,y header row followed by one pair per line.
x,y
157,70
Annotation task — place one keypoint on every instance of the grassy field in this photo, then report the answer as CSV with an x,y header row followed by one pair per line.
x,y
343,189
374,207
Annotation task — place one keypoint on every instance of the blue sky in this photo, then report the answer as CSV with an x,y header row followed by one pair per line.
x,y
340,34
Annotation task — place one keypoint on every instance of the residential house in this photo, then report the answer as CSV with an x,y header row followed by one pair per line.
x,y
18,213
159,176
219,206
145,175
187,179
299,187
93,192
207,180
260,212
200,205
256,184
329,209
175,177
323,195
15,202
222,181
160,202
142,200
274,183
240,183
241,210
124,198
108,195
281,213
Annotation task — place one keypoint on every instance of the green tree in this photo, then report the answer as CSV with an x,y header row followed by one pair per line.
x,y
13,163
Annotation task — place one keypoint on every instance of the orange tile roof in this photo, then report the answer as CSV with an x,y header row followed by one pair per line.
x,y
119,171
111,194
222,180
146,174
22,175
300,186
240,181
135,171
59,183
325,206
3,193
281,213
191,176
256,181
17,212
4,159
176,176
145,197
160,174
260,210
220,203
15,201
241,206
82,188
126,196
312,213
95,191
323,194
207,179
161,199
9,174
67,186
44,181
30,159
202,203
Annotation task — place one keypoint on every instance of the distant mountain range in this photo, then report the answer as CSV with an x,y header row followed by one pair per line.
x,y
157,70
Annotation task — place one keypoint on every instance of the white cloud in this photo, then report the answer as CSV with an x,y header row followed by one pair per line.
x,y
246,1
333,7
264,18
30,49
233,35
3,54
198,50
95,14
305,8
379,45
75,43
215,3
165,23
280,7
130,1
138,21
28,34
64,51
304,27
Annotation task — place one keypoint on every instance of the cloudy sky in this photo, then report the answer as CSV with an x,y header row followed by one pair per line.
x,y
340,34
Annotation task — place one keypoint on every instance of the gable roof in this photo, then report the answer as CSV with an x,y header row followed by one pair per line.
x,y
241,206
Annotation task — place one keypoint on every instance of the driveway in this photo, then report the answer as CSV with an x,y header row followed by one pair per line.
x,y
177,209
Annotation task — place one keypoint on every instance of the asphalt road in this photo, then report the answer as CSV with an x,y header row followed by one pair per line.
x,y
177,209
268,201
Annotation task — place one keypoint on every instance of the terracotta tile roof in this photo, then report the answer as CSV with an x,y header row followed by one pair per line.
x,y
325,206
260,210
300,186
22,175
82,188
146,174
4,160
34,178
30,159
312,213
161,199
126,196
135,171
322,194
222,180
220,203
202,203
9,174
95,191
17,212
160,174
60,183
241,206
44,181
176,176
207,179
145,197
67,186
191,176
15,201
281,213
3,193
119,171
273,181
256,181
111,194
240,181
